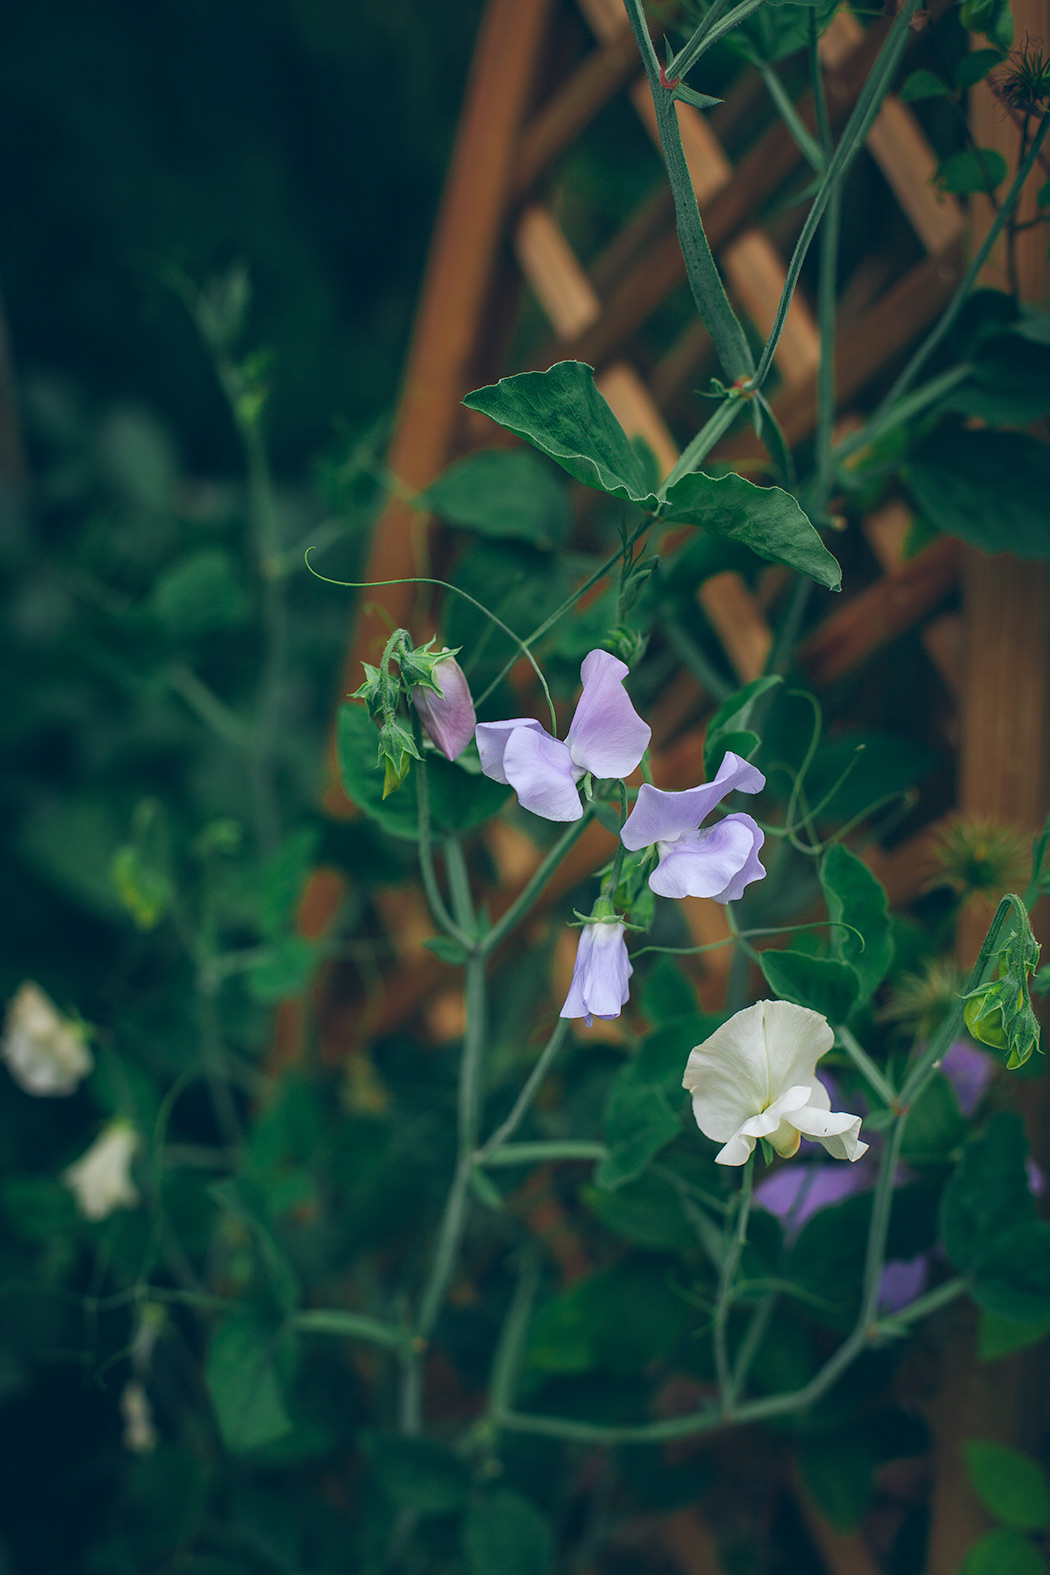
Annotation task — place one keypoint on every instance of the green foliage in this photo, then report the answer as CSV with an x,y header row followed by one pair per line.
x,y
506,493
839,1474
1010,1484
419,1473
242,1377
823,984
639,1122
923,84
987,488
974,169
200,594
727,729
505,1534
853,894
766,519
989,1227
1002,1552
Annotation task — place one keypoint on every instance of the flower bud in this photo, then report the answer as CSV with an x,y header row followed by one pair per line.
x,y
448,718
600,977
44,1051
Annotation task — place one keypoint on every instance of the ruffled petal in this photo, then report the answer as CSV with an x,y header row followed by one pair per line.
x,y
492,738
837,1131
752,869
539,769
659,816
599,985
704,863
770,1124
607,736
728,1075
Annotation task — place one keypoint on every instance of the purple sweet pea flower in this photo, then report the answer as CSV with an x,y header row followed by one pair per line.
x,y
718,862
903,1280
607,737
448,718
968,1070
795,1192
599,980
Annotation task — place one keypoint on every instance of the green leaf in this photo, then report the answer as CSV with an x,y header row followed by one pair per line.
x,y
459,800
974,169
698,100
505,1534
639,1122
923,84
853,894
201,593
646,1211
418,1472
839,1473
728,727
244,1200
998,1336
145,891
988,1194
766,519
935,1123
448,950
990,17
975,66
561,413
1012,1276
242,1380
1010,1484
506,493
283,877
821,983
284,969
987,488
1002,1552
620,1319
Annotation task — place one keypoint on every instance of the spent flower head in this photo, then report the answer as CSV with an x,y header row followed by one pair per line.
x,y
978,857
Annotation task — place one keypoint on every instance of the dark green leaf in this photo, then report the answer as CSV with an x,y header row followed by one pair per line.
x,y
728,727
418,1472
839,1473
1012,1276
974,169
448,950
935,1123
201,593
821,983
639,1122
1010,1484
988,1195
246,1202
505,1534
998,1336
697,100
923,84
283,877
242,1381
975,66
853,894
987,488
561,413
765,519
507,493
1002,1552
284,970
990,17
647,1212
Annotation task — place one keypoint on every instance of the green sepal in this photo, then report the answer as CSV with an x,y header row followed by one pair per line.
x,y
397,750
371,691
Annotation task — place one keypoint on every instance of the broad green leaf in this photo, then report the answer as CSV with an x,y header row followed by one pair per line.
x,y
448,950
935,1123
639,1122
459,800
646,1211
561,413
988,1194
1012,1276
821,983
730,722
766,519
974,169
245,1200
987,488
990,17
923,84
283,877
998,1336
973,67
1010,1484
1002,1552
505,1534
507,493
201,593
418,1472
855,895
284,969
839,1473
241,1375
620,1319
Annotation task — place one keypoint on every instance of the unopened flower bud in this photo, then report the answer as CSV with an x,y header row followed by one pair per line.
x,y
600,977
448,718
44,1051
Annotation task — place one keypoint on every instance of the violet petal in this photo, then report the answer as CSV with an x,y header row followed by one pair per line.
x,y
492,738
607,736
539,768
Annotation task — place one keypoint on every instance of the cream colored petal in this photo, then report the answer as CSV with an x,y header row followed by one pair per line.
x,y
837,1131
736,1152
728,1076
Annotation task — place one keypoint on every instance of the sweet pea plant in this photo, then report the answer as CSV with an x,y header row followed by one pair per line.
x,y
438,1302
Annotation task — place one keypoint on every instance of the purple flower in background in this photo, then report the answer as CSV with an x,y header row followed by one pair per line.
x,y
448,718
968,1070
599,985
903,1280
606,737
795,1192
717,862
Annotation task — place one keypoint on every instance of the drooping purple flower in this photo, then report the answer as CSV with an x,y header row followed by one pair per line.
x,y
902,1281
968,1070
606,737
717,862
599,985
448,718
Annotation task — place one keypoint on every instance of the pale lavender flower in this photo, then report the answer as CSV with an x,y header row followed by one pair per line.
x,y
796,1191
717,862
599,985
969,1071
902,1281
607,737
448,718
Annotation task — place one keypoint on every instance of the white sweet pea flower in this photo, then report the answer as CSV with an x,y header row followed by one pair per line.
x,y
756,1077
100,1180
140,1435
44,1051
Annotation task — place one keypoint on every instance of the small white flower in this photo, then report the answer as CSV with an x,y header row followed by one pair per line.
x,y
100,1180
140,1435
44,1051
756,1078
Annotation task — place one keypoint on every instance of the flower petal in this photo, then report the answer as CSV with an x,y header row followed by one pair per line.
x,y
753,1060
752,869
659,816
539,769
708,863
600,977
607,736
448,717
837,1131
492,738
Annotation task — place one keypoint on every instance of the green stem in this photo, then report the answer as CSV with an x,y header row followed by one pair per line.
x,y
866,1066
442,917
524,901
694,453
473,1048
903,411
966,283
459,885
852,140
506,1363
932,1302
694,661
681,63
704,279
507,1128
724,1300
803,138
543,1153
352,1325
